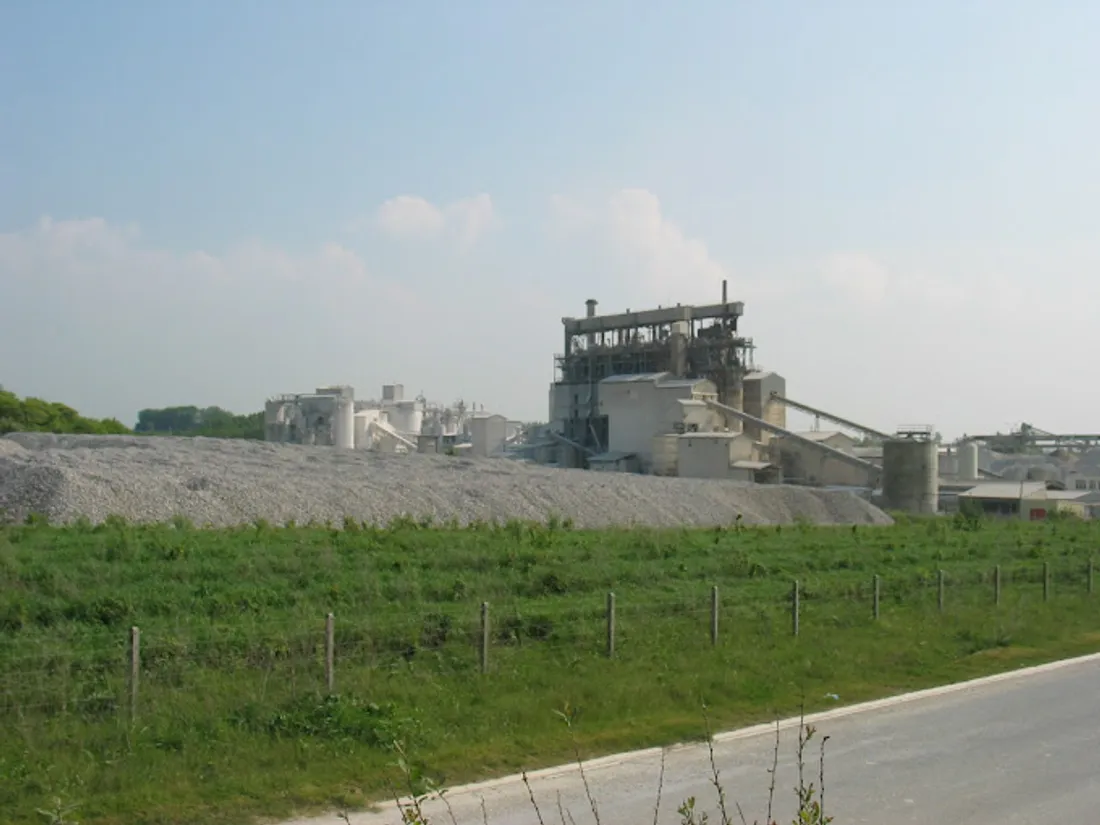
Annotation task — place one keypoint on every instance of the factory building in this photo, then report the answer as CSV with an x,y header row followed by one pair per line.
x,y
323,418
394,424
681,342
1029,500
674,391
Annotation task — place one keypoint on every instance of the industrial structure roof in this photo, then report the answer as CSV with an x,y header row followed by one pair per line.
x,y
1007,490
820,435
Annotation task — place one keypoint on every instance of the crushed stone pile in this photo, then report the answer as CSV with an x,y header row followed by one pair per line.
x,y
222,482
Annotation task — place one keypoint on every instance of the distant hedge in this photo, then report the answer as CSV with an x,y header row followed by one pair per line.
x,y
213,422
40,416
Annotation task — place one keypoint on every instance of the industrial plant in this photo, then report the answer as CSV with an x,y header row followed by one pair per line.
x,y
676,391
332,417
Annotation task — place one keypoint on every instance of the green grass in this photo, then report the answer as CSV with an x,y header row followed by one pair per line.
x,y
232,717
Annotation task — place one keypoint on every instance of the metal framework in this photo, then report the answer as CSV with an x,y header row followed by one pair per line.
x,y
699,342
819,413
1029,437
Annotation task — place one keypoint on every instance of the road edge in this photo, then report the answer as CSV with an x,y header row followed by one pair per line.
x,y
783,724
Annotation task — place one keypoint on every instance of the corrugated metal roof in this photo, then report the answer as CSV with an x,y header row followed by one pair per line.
x,y
819,435
665,379
617,455
634,378
715,435
1007,490
751,465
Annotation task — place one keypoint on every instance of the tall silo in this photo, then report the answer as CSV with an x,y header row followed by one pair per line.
x,y
344,424
910,474
968,461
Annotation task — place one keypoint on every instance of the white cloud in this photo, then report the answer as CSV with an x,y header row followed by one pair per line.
x,y
652,252
110,323
411,216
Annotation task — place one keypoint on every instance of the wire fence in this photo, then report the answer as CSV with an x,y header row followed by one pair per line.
x,y
124,673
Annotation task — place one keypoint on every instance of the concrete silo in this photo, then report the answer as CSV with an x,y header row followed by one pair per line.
x,y
910,472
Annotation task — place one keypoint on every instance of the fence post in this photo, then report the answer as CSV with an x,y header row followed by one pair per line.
x,y
1046,581
1090,577
876,596
997,584
795,598
330,653
610,625
714,616
484,637
940,594
135,670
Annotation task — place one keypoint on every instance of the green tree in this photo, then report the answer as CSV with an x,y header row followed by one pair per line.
x,y
38,415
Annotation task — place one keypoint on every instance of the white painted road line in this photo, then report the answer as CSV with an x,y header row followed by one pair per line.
x,y
947,754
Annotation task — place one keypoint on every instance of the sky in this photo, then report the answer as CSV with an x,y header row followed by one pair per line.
x,y
215,202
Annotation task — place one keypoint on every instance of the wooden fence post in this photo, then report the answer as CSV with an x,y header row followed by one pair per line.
x,y
795,600
1090,577
940,594
484,637
610,625
877,600
330,653
1046,581
135,670
997,584
714,616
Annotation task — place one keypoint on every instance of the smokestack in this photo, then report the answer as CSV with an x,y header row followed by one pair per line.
x,y
591,304
724,292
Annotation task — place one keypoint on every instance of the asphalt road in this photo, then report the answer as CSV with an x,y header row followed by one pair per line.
x,y
1012,751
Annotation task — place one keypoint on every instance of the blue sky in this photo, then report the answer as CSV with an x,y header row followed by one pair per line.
x,y
214,202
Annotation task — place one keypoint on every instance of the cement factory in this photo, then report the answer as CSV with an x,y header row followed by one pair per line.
x,y
332,417
675,391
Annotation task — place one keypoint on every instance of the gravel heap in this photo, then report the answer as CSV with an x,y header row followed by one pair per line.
x,y
224,482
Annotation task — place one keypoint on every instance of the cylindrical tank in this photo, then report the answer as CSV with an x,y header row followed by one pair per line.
x,y
968,461
407,417
910,475
344,424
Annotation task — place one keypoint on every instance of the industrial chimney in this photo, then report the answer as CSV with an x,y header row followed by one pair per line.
x,y
591,304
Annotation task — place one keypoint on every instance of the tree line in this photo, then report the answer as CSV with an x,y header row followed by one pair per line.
x,y
38,415
212,422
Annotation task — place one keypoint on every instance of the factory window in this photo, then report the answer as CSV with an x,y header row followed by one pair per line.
x,y
1081,484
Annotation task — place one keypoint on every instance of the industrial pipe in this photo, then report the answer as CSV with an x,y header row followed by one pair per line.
x,y
873,470
806,408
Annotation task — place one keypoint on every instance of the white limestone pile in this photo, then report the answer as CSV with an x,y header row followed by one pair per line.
x,y
224,482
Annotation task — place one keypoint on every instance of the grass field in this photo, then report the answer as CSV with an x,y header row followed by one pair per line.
x,y
232,716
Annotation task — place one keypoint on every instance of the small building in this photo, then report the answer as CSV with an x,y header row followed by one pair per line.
x,y
488,434
712,455
1029,500
1082,481
640,407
